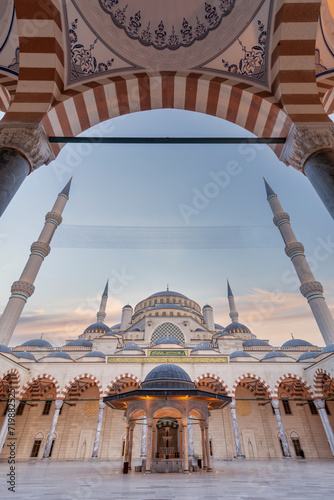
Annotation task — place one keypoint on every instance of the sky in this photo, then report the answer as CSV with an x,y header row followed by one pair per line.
x,y
198,215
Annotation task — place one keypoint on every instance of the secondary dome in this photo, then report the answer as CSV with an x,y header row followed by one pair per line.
x,y
97,328
25,355
6,349
202,347
37,343
297,343
328,348
254,342
307,355
59,354
239,354
94,354
132,347
168,376
167,340
275,354
235,327
79,342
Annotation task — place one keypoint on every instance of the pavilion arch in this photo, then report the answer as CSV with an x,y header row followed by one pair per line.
x,y
242,381
205,377
94,381
40,378
296,378
162,90
172,409
319,375
15,379
112,386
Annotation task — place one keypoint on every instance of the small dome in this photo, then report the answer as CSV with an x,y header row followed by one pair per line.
x,y
200,330
115,327
240,354
127,307
97,328
221,333
202,347
219,326
254,342
25,355
132,347
297,343
134,330
328,348
79,342
168,376
235,327
6,349
59,354
307,355
207,306
167,340
94,354
37,343
275,354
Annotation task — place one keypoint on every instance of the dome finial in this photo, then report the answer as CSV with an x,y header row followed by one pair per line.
x,y
292,336
167,287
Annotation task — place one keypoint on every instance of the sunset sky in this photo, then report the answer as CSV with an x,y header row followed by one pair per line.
x,y
166,186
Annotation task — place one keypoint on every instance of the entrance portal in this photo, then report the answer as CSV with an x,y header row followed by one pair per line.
x,y
167,444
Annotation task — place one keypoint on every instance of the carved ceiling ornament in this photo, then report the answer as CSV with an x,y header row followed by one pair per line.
x,y
29,139
305,140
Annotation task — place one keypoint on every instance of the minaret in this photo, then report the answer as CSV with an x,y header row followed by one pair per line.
x,y
21,290
311,289
102,312
233,311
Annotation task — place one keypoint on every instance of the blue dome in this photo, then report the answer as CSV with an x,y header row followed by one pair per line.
x,y
235,327
6,349
132,347
135,330
115,327
240,354
219,326
200,330
254,342
37,343
167,294
202,347
97,328
59,354
207,306
296,343
275,354
221,333
328,348
95,354
80,342
127,306
25,355
307,355
168,376
167,340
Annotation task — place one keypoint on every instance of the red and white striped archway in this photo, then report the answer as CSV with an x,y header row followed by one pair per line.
x,y
46,376
205,376
287,376
129,379
89,376
240,380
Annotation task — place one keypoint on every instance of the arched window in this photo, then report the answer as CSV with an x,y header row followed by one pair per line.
x,y
167,330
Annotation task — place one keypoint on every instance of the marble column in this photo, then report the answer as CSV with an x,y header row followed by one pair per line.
x,y
149,445
98,430
185,446
6,422
204,455
143,438
285,444
319,169
208,454
191,437
320,404
24,148
126,444
130,446
58,405
236,431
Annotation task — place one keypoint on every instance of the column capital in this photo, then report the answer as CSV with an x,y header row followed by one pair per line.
x,y
305,140
275,404
23,289
58,403
101,405
149,421
320,403
28,139
311,288
232,404
184,421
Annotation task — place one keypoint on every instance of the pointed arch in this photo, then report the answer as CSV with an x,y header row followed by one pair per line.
x,y
295,377
223,385
42,376
95,381
252,376
113,383
15,379
319,375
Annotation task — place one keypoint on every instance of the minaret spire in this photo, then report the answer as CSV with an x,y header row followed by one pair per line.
x,y
312,290
233,310
21,290
102,312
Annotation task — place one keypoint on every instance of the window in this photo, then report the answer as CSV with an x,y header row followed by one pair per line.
x,y
327,409
61,409
35,448
51,449
20,408
298,449
286,406
313,408
280,442
5,410
47,407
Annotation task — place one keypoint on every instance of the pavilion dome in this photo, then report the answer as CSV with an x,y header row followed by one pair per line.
x,y
255,342
37,343
307,355
327,349
97,328
59,354
25,355
239,354
167,340
95,354
79,343
6,350
297,343
236,327
275,354
168,376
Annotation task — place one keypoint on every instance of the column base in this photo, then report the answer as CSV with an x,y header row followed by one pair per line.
x,y
185,472
45,458
148,472
240,457
209,469
287,457
94,458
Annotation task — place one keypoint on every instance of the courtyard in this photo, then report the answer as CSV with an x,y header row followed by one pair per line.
x,y
230,480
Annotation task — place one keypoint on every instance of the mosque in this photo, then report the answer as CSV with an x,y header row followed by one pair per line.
x,y
167,389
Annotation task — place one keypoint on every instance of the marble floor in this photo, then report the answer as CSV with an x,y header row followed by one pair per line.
x,y
237,480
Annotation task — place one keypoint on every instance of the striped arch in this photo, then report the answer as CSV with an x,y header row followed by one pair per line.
x,y
46,390
120,377
317,381
215,377
240,381
15,378
127,384
202,383
94,380
31,382
188,91
295,377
